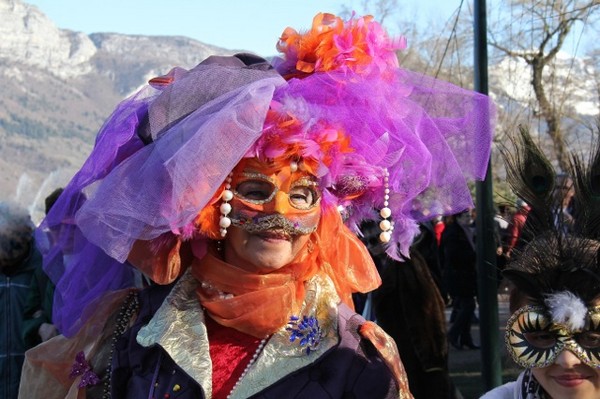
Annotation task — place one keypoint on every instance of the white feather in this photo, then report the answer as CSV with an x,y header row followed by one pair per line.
x,y
568,309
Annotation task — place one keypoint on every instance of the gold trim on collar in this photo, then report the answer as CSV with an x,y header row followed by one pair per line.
x,y
179,327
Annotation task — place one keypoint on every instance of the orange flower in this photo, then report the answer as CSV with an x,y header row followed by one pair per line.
x,y
332,44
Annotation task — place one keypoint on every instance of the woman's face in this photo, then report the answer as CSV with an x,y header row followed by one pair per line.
x,y
275,209
569,378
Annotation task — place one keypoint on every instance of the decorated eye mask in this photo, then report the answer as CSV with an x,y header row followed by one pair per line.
x,y
534,340
286,200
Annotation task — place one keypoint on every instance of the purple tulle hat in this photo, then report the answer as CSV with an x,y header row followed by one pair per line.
x,y
165,151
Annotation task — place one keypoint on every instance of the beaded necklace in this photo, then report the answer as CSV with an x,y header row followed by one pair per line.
x,y
128,309
250,363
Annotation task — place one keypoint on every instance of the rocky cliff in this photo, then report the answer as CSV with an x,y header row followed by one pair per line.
x,y
58,88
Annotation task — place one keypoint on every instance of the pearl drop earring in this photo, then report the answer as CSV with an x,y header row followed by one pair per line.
x,y
385,225
225,208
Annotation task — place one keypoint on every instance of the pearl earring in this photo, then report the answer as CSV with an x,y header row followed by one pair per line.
x,y
385,225
225,208
293,166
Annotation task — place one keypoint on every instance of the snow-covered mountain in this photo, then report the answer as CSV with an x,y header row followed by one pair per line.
x,y
58,88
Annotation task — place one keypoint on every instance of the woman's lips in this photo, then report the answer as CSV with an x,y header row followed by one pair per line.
x,y
275,235
570,380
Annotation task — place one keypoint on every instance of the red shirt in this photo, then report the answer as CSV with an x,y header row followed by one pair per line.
x,y
230,351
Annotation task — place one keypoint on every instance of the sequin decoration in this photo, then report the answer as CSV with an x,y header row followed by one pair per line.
x,y
307,331
82,368
534,340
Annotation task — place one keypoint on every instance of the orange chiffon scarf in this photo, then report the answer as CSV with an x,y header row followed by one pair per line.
x,y
344,258
255,304
260,304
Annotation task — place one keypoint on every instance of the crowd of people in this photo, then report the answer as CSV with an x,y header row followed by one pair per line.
x,y
291,228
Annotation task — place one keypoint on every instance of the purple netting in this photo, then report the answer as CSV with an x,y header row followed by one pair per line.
x,y
165,185
429,134
81,270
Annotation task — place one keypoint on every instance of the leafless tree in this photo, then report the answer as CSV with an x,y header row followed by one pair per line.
x,y
381,8
592,70
535,31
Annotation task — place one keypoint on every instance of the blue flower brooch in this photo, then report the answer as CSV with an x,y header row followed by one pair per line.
x,y
306,330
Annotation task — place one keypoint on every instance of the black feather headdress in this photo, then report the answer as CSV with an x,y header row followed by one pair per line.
x,y
559,247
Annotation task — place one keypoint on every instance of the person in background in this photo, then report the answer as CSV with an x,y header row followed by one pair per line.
x,y
438,228
516,225
237,186
18,262
554,328
409,306
565,200
457,255
427,245
502,222
502,216
501,225
37,319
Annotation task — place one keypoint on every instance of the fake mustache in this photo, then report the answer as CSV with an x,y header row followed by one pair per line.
x,y
254,225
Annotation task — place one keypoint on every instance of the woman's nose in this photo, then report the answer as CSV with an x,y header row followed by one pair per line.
x,y
281,202
567,359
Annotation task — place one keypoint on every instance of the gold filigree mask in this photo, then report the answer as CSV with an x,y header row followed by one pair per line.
x,y
534,340
269,197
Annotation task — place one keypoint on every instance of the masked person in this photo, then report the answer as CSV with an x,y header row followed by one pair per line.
x,y
18,262
228,185
554,329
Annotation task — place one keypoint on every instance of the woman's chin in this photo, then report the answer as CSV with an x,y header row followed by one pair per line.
x,y
267,264
263,252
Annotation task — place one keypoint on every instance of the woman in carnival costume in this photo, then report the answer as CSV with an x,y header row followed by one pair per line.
x,y
236,187
554,329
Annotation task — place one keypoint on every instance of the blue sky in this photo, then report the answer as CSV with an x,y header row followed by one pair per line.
x,y
252,25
